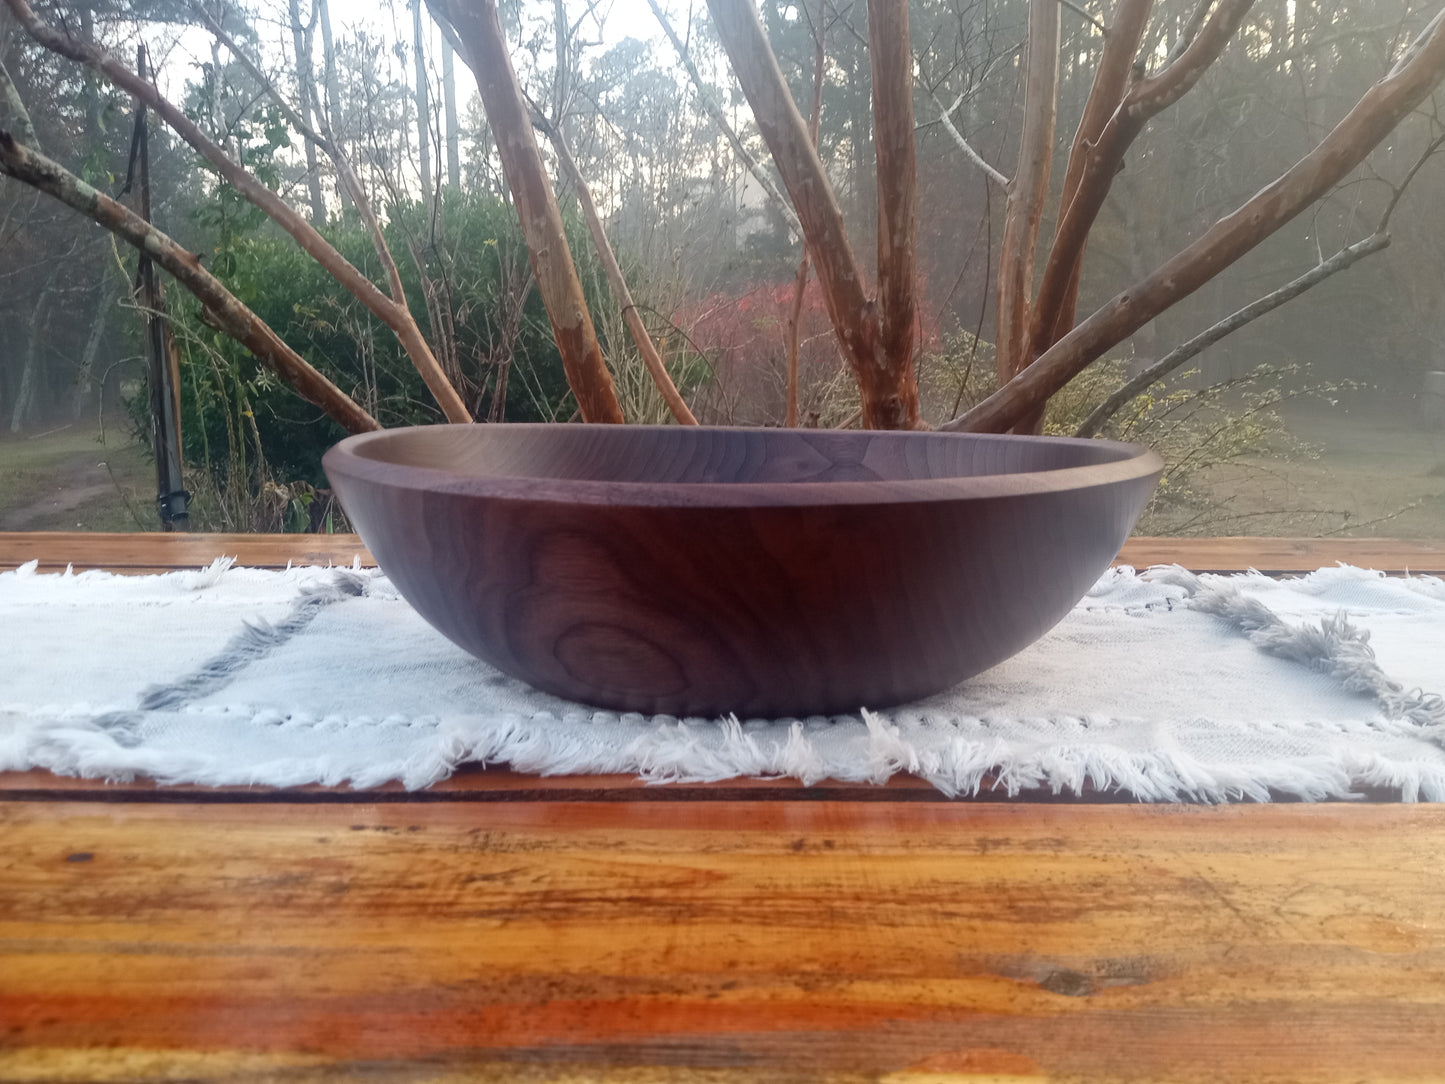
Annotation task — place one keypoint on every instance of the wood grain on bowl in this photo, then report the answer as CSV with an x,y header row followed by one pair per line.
x,y
763,572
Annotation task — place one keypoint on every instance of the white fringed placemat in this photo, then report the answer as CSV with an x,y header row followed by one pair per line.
x,y
1162,684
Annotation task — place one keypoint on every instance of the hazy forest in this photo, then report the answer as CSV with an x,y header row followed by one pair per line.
x,y
1214,226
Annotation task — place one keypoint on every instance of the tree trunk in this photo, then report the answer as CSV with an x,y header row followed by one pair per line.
x,y
705,99
85,387
423,106
645,348
1028,190
891,54
85,375
335,119
479,27
800,280
301,42
23,412
883,370
449,97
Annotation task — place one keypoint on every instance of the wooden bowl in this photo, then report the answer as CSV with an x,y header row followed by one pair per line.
x,y
765,572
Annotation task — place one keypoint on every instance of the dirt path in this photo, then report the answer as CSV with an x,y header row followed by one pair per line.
x,y
60,482
78,481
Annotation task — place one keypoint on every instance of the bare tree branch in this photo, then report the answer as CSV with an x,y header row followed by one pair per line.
x,y
720,119
615,279
1029,190
1104,156
891,56
886,382
1081,13
395,316
222,308
350,182
1158,92
1190,31
1373,117
478,24
972,155
800,280
1346,257
1111,82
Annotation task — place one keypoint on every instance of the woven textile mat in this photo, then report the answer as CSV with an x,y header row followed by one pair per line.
x,y
1162,684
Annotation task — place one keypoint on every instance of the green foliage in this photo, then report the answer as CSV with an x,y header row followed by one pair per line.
x,y
954,378
246,430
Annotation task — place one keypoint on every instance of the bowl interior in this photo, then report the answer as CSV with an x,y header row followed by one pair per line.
x,y
692,455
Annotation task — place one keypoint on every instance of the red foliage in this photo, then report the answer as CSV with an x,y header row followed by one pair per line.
x,y
744,336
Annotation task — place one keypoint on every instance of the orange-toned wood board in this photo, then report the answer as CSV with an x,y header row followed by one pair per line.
x,y
137,553
721,941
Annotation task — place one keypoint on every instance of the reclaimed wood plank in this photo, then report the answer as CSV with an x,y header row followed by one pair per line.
x,y
711,940
474,783
149,553
1287,556
155,552
477,784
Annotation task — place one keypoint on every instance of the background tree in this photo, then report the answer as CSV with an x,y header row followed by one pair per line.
x,y
1199,103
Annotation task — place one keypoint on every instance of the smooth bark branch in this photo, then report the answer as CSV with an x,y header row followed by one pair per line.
x,y
1346,257
645,347
222,308
1373,117
395,316
479,26
1111,83
889,393
1081,13
404,326
1230,324
1029,190
1146,99
13,112
1191,28
972,155
800,280
720,119
891,55
1182,71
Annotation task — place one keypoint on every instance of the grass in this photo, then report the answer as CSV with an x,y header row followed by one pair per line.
x,y
1372,468
75,479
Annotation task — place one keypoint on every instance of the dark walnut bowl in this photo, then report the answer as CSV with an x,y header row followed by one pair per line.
x,y
765,572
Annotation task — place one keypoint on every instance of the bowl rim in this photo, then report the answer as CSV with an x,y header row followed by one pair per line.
x,y
347,459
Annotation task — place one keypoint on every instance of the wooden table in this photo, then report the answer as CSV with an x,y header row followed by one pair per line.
x,y
499,927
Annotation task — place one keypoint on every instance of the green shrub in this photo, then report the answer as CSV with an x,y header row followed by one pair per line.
x,y
245,429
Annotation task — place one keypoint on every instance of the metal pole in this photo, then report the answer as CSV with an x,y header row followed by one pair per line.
x,y
162,358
